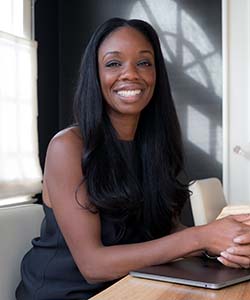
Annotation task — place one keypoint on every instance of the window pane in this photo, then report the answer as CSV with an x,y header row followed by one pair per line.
x,y
15,17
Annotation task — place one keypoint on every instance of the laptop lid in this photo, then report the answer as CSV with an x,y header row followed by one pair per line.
x,y
195,271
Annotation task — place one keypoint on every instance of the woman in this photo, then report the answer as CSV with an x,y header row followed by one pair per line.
x,y
112,197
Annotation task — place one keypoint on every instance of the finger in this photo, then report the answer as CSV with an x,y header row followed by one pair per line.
x,y
241,217
228,263
242,261
243,250
242,239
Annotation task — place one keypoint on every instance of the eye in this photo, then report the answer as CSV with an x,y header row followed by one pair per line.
x,y
113,64
144,63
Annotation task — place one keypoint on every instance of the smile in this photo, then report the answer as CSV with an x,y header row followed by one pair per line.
x,y
129,93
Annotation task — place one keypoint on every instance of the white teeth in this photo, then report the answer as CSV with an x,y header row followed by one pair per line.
x,y
128,93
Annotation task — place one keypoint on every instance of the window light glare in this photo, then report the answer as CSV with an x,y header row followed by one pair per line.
x,y
12,17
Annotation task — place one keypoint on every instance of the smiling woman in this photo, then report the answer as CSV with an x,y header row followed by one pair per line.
x,y
111,190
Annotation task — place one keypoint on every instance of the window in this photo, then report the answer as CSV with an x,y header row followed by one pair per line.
x,y
20,172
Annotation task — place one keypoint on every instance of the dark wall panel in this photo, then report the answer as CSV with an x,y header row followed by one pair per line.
x,y
46,33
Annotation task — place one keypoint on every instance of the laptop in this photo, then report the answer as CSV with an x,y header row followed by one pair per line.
x,y
195,271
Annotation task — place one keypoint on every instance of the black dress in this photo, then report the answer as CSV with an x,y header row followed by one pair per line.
x,y
48,269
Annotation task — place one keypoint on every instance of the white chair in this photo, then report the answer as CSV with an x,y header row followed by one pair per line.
x,y
18,226
207,200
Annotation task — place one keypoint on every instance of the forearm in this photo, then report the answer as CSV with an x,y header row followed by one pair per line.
x,y
179,227
108,263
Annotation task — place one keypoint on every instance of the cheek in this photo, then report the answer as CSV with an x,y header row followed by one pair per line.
x,y
151,78
106,81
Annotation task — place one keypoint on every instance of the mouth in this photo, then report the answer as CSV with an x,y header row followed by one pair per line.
x,y
129,93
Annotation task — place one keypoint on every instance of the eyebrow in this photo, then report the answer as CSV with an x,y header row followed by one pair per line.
x,y
118,52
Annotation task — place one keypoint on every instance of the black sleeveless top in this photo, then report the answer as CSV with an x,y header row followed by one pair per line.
x,y
48,269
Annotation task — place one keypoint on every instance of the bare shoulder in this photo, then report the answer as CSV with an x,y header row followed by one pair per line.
x,y
66,144
68,139
65,152
63,163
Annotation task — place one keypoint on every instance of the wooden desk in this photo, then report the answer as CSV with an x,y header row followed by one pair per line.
x,y
130,288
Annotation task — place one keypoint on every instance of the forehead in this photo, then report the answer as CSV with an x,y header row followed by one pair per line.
x,y
125,39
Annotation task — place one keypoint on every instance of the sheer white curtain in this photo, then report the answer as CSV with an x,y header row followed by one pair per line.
x,y
20,172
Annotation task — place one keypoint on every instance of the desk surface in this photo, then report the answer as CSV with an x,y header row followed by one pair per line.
x,y
130,288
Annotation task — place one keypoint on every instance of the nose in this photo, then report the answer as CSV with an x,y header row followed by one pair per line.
x,y
129,72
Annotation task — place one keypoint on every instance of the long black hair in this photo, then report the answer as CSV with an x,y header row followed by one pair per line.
x,y
156,194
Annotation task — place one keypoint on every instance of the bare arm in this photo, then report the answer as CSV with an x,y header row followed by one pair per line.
x,y
82,229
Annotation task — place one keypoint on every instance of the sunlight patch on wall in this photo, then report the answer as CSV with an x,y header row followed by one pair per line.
x,y
197,74
198,129
211,63
193,32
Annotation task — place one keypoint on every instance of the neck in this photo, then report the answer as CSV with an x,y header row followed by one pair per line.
x,y
125,125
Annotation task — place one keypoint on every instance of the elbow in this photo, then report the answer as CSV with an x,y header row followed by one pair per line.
x,y
96,268
89,274
96,274
92,274
92,278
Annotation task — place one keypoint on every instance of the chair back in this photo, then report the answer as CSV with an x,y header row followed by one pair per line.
x,y
207,200
18,226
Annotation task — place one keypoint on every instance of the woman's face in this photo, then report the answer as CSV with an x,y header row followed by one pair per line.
x,y
127,71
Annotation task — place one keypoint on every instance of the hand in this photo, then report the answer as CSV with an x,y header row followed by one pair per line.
x,y
238,256
220,234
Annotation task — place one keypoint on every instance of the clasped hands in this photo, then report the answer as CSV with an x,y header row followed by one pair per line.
x,y
237,254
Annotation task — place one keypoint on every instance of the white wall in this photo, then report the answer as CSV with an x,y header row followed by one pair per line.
x,y
236,100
